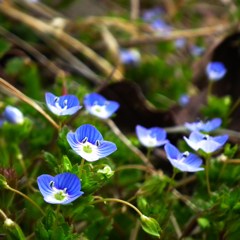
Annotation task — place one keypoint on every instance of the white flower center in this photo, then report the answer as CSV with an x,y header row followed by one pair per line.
x,y
57,105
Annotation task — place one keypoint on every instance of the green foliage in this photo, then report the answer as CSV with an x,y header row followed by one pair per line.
x,y
4,47
170,207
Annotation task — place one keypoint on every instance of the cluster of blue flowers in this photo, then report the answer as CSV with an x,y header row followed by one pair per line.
x,y
86,141
198,139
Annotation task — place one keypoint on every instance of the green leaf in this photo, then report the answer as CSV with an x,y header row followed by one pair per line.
x,y
3,181
150,226
203,222
67,165
40,231
4,47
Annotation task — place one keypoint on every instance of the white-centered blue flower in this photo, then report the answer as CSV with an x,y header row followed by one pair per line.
x,y
12,115
61,189
99,106
184,100
180,43
88,142
152,137
63,105
215,71
205,142
207,126
130,56
185,162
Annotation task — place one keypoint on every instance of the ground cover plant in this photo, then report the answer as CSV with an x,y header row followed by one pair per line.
x,y
119,121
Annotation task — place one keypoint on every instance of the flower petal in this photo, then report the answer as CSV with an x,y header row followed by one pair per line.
x,y
106,148
94,98
88,131
171,151
44,184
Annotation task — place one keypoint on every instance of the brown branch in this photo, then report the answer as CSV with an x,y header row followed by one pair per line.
x,y
61,36
14,91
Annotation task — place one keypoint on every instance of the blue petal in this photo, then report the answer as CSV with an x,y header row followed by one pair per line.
x,y
171,151
44,184
212,124
72,198
193,160
221,139
72,101
69,181
215,71
112,107
141,131
50,98
185,167
158,132
196,136
88,131
71,111
209,146
13,115
106,148
94,98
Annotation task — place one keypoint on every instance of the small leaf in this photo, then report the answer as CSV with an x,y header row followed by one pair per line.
x,y
203,222
4,47
3,181
150,226
67,165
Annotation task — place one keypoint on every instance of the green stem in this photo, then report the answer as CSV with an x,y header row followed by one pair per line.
x,y
81,167
117,200
207,175
235,105
25,196
175,171
149,151
209,90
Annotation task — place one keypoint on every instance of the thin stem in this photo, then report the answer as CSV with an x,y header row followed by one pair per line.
x,y
14,91
128,143
81,167
149,151
100,199
209,90
2,213
135,166
25,196
235,105
207,175
175,171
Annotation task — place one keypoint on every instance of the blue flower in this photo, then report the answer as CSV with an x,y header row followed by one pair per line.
x,y
185,162
183,100
204,126
161,26
180,43
205,142
215,71
130,56
88,142
197,50
99,106
61,189
152,137
64,105
151,14
12,115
